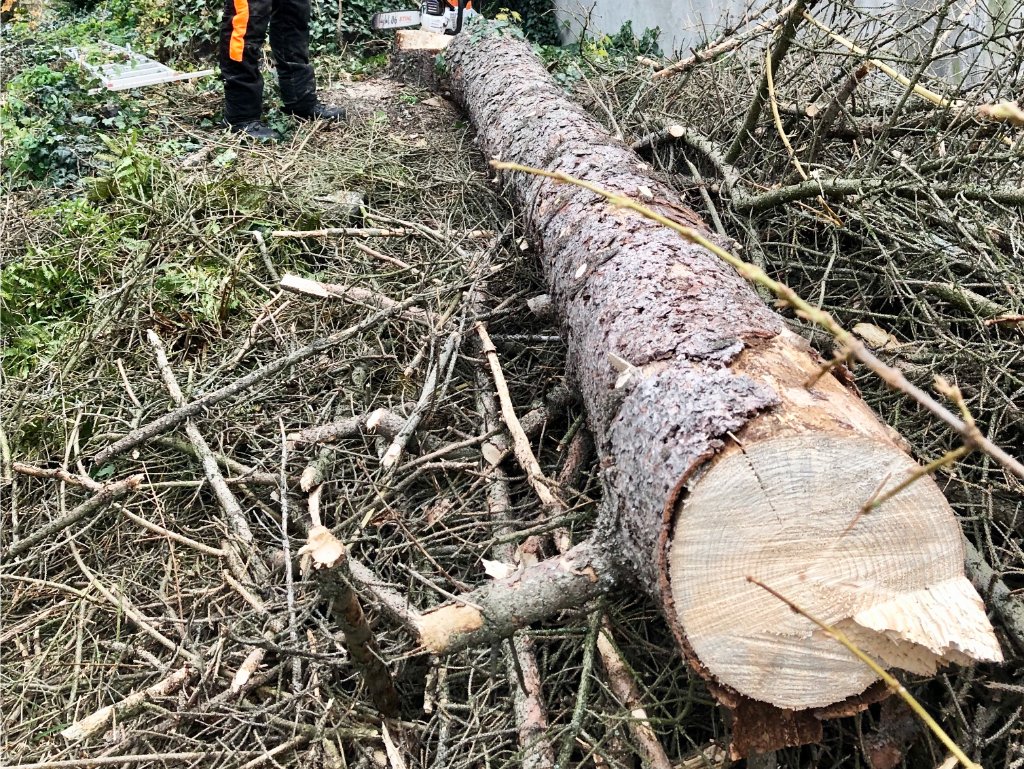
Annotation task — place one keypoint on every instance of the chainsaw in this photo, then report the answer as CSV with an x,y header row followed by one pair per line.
x,y
443,17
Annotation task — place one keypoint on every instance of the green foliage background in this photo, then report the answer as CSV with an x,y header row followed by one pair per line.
x,y
175,29
87,165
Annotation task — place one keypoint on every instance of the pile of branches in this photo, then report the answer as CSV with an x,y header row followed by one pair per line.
x,y
878,171
157,607
875,166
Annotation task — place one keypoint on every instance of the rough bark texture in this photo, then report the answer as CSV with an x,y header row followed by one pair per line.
x,y
623,287
681,366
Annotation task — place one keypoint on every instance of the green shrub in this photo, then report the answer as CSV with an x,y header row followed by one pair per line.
x,y
172,30
189,30
535,17
92,248
51,126
46,292
567,64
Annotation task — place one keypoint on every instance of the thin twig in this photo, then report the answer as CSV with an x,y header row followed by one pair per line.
x,y
138,758
426,399
105,496
728,44
583,693
520,442
293,632
355,294
236,520
98,722
781,48
350,232
121,603
174,418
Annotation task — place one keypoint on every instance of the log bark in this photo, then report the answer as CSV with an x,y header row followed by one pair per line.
x,y
721,458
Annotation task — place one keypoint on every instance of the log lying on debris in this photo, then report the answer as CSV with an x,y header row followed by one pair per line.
x,y
726,453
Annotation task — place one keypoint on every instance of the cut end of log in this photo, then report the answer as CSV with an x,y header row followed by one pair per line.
x,y
440,628
923,618
414,56
786,511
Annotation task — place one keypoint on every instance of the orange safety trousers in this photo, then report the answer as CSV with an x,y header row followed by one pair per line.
x,y
244,29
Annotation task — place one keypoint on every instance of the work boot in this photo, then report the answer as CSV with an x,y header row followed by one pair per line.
x,y
253,129
319,111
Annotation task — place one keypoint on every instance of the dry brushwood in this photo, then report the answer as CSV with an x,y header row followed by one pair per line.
x,y
97,636
520,652
184,412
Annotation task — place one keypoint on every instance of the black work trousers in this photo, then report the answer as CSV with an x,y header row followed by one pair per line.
x,y
243,31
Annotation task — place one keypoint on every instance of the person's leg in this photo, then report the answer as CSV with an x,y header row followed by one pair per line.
x,y
243,30
289,40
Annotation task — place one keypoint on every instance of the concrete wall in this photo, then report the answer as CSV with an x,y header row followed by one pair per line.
x,y
680,21
686,24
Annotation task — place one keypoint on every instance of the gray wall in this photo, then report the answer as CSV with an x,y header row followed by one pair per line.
x,y
685,24
680,20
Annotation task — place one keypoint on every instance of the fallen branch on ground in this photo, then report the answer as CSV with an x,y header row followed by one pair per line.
x,y
376,232
98,722
237,524
174,418
327,554
520,442
730,43
839,187
436,377
520,658
787,34
355,294
379,421
103,497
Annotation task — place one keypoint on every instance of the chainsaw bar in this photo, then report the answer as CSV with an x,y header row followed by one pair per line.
x,y
395,19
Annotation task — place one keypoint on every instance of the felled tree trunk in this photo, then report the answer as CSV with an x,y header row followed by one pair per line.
x,y
725,456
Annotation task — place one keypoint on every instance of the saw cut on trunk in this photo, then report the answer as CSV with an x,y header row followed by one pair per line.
x,y
726,453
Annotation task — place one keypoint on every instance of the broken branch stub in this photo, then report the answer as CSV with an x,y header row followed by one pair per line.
x,y
722,460
327,555
498,609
